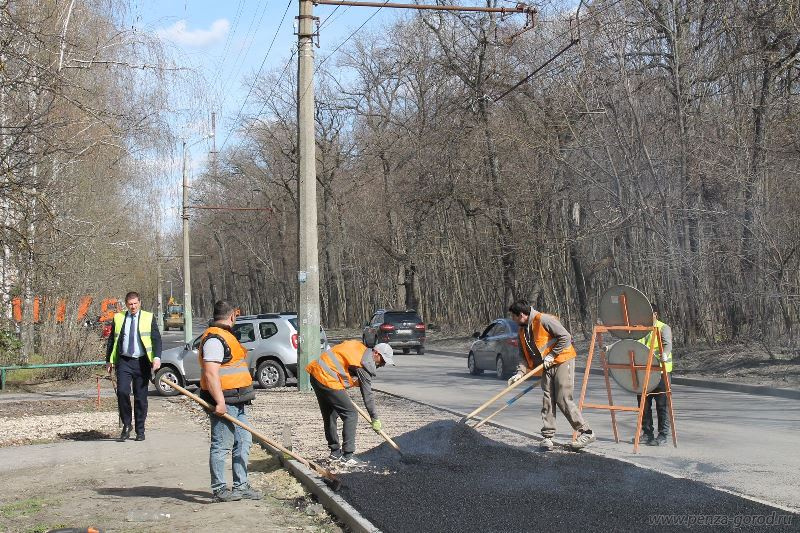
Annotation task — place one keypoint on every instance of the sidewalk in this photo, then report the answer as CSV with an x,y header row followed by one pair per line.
x,y
133,486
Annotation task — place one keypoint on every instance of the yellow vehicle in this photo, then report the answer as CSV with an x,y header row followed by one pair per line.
x,y
173,316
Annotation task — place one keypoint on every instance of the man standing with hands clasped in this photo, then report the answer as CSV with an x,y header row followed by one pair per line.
x,y
544,341
134,348
225,382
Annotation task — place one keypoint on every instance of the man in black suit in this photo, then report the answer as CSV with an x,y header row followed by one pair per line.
x,y
134,348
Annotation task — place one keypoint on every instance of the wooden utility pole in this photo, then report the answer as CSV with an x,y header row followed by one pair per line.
x,y
308,312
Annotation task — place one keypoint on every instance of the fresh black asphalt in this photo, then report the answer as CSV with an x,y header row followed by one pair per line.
x,y
453,479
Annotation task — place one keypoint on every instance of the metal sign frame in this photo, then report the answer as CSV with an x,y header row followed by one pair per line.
x,y
597,338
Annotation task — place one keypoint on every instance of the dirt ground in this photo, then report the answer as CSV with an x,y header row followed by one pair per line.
x,y
61,467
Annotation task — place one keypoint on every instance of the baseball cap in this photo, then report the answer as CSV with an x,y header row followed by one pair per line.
x,y
386,352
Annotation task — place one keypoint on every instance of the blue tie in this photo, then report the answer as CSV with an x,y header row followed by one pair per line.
x,y
132,336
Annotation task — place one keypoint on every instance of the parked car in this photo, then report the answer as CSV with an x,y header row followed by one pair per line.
x,y
497,349
271,341
401,329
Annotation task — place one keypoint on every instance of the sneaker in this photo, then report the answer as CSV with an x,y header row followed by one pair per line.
x,y
546,444
335,455
247,492
349,460
584,439
226,495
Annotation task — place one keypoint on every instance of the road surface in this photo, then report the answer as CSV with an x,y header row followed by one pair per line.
x,y
735,441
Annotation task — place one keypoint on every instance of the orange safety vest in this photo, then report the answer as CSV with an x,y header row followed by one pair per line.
x,y
331,369
544,342
234,372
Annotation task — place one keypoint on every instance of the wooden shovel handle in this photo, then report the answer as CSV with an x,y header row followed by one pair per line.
x,y
511,387
324,472
381,433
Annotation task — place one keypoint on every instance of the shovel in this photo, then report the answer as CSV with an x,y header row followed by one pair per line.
x,y
507,404
327,475
511,387
386,437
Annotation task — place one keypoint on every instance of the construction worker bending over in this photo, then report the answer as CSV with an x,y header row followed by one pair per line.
x,y
544,341
345,365
659,393
225,382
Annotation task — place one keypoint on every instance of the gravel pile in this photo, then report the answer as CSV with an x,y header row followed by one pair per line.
x,y
453,478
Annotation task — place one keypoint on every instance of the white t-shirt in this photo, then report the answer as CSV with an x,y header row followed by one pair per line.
x,y
213,351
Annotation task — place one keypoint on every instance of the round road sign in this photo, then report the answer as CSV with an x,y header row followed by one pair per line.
x,y
612,312
619,353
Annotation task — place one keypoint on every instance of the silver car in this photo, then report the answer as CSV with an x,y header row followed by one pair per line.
x,y
497,349
271,341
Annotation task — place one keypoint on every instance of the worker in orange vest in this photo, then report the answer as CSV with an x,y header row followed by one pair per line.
x,y
225,383
346,365
543,340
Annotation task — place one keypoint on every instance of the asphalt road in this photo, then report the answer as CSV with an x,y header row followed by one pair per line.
x,y
735,441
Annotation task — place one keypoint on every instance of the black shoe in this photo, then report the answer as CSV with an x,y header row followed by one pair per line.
x,y
651,441
661,439
125,435
335,455
139,436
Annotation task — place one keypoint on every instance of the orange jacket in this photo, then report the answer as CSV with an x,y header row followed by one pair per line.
x,y
544,341
331,370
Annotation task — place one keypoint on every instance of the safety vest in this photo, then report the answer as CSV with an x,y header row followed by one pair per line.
x,y
145,326
234,372
331,369
648,340
544,342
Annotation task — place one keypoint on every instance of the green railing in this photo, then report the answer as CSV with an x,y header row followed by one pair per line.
x,y
4,369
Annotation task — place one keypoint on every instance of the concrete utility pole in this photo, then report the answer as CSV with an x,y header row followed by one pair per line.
x,y
187,276
308,265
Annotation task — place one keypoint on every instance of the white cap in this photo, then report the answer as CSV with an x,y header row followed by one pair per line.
x,y
386,352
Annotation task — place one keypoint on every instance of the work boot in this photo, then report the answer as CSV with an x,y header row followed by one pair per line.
x,y
661,439
139,437
125,435
584,439
649,440
246,492
349,460
225,495
546,444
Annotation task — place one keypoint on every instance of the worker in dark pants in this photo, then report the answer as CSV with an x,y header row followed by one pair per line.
x,y
346,365
659,392
134,349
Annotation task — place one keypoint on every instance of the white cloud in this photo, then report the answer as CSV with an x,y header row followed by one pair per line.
x,y
179,34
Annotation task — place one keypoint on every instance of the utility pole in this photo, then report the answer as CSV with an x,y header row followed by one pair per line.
x,y
187,276
308,263
160,298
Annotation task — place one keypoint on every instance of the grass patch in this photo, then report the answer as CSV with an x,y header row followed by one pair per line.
x,y
22,508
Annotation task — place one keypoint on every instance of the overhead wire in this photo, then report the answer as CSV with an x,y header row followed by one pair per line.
x,y
258,73
558,36
226,48
249,35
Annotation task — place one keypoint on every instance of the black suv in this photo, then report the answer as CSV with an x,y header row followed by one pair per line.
x,y
401,329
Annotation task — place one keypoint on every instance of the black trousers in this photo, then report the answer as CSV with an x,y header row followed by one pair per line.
x,y
661,411
133,373
335,404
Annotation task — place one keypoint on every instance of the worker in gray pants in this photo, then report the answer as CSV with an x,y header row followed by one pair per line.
x,y
544,341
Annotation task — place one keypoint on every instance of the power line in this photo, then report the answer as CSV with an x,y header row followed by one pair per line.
x,y
258,73
228,42
243,52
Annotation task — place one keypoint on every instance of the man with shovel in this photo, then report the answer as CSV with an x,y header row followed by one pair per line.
x,y
544,341
345,365
225,383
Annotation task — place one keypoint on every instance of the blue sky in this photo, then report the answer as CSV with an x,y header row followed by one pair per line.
x,y
227,42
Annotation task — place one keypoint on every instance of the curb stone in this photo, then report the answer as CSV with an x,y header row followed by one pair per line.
x,y
330,500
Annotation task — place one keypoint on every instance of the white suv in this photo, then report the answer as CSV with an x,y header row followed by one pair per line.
x,y
271,341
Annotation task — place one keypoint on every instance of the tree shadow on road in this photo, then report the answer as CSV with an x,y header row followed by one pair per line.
x,y
147,491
